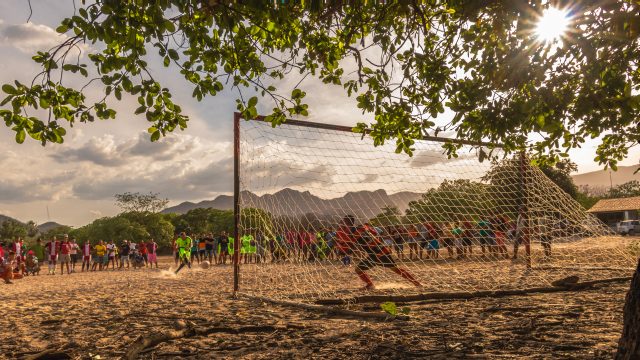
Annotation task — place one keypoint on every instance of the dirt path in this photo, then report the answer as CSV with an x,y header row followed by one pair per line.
x,y
89,314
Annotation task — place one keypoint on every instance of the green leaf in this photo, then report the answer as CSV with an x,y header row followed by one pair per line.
x,y
173,54
62,29
390,308
20,135
155,136
253,101
9,89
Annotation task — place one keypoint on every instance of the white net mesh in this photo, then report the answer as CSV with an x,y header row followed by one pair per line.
x,y
450,224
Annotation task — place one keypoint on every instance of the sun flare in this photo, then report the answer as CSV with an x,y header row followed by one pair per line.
x,y
552,25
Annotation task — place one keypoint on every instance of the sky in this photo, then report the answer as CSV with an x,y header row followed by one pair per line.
x,y
75,182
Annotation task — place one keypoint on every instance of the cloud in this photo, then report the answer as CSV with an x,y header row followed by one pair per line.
x,y
106,151
95,213
31,189
30,37
100,151
170,180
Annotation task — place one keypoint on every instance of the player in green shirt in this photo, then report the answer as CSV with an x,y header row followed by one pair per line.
x,y
184,250
38,250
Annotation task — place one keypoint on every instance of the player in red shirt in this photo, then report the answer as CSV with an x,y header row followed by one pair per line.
x,y
375,252
52,249
152,248
86,254
65,255
144,251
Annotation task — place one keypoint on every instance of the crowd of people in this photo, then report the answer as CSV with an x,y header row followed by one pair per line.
x,y
425,240
18,260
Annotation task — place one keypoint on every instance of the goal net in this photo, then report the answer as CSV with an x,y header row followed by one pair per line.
x,y
451,224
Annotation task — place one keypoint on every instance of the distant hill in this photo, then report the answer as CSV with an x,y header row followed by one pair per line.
x,y
289,202
43,228
222,202
600,178
4,218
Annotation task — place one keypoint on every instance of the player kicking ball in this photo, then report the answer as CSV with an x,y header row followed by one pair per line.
x,y
376,253
184,244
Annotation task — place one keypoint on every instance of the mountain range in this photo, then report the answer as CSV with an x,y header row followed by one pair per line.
x,y
290,202
605,178
41,228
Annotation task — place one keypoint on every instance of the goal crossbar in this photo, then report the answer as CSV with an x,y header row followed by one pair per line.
x,y
317,125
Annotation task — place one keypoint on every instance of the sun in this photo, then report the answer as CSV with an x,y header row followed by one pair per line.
x,y
552,25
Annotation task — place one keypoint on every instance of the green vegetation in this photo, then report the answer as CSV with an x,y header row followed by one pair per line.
x,y
10,229
390,215
136,202
412,61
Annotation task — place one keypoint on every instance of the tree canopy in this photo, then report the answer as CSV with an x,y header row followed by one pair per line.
x,y
628,189
136,202
11,229
407,63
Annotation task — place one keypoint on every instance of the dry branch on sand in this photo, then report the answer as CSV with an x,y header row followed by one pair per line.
x,y
567,284
143,343
332,310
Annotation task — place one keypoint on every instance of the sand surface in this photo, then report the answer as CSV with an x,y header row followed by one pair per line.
x,y
91,315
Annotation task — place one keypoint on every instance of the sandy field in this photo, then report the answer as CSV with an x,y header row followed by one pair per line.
x,y
103,314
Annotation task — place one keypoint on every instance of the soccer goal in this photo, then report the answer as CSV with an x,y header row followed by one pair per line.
x,y
321,212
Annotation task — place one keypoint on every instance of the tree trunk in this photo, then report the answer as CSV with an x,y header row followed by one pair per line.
x,y
629,344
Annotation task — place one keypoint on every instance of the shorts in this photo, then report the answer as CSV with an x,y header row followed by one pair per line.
x,y
467,241
201,251
224,250
65,258
53,258
86,258
96,258
399,247
105,259
74,258
433,245
124,258
152,258
374,260
209,252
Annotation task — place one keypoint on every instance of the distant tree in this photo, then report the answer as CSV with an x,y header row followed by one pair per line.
x,y
58,231
628,189
253,219
390,215
586,200
115,228
133,226
598,191
32,228
138,202
560,174
156,225
204,220
452,201
11,229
